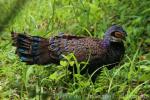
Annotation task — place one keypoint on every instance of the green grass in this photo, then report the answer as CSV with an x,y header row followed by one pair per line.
x,y
130,80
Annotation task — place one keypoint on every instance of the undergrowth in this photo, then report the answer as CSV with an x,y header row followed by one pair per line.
x,y
130,80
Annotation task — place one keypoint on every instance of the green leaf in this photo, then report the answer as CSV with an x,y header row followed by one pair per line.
x,y
63,63
145,68
71,63
28,73
145,77
53,76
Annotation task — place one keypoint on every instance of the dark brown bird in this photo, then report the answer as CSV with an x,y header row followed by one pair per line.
x,y
38,50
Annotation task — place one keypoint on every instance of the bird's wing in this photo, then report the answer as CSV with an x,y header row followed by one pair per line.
x,y
84,48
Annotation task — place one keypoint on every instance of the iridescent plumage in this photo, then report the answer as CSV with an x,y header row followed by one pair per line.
x,y
38,50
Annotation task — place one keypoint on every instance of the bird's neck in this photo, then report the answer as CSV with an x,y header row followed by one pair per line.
x,y
105,42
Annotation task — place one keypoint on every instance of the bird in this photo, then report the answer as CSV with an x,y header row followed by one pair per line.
x,y
98,52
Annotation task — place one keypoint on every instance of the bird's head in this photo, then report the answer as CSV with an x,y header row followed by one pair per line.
x,y
115,34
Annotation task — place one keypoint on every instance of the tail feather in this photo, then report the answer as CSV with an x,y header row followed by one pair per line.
x,y
31,49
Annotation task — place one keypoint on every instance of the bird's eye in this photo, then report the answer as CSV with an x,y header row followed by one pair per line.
x,y
118,35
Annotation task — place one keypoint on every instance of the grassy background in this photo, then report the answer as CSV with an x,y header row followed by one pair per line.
x,y
129,80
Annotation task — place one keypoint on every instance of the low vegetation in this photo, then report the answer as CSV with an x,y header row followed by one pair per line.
x,y
130,80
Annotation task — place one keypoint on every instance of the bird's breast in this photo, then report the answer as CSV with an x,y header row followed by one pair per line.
x,y
115,52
